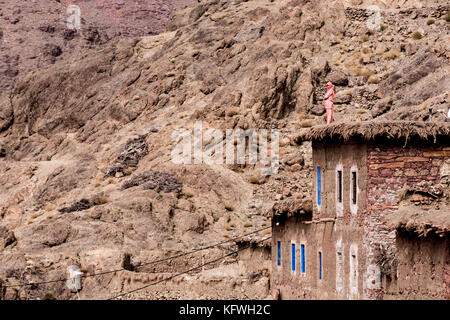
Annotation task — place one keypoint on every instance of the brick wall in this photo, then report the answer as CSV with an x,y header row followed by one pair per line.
x,y
391,168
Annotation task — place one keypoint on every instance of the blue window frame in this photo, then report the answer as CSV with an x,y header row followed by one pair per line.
x,y
293,256
320,265
302,258
319,186
278,253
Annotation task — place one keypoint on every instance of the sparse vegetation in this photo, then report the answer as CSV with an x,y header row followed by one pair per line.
x,y
383,27
232,112
254,180
391,54
374,79
248,224
364,38
48,296
430,22
98,200
361,72
447,17
417,35
189,194
127,171
307,123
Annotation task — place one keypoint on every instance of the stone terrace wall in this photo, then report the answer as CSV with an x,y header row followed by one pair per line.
x,y
391,168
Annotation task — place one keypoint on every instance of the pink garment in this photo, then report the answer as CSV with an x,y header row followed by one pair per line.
x,y
328,102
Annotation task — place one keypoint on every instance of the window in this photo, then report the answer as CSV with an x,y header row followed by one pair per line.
x,y
339,271
354,273
278,253
320,265
293,256
339,186
354,187
302,258
319,186
353,269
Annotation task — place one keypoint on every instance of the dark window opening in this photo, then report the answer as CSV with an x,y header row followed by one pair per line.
x,y
278,253
320,265
319,186
293,256
354,187
302,258
339,177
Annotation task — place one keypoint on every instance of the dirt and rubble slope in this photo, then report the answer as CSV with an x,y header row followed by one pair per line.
x,y
86,142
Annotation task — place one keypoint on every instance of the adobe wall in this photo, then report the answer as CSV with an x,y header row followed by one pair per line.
x,y
336,231
317,236
343,230
392,167
348,156
422,267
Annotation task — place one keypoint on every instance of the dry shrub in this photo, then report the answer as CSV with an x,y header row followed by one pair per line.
x,y
447,17
98,200
374,79
248,224
430,22
48,296
361,71
254,180
417,35
127,171
391,54
232,112
307,123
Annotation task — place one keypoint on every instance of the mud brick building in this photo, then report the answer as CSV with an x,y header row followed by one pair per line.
x,y
344,249
423,251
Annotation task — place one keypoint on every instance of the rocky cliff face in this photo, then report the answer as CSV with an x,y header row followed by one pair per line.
x,y
86,142
34,34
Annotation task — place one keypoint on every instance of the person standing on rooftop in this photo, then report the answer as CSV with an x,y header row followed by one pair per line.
x,y
328,102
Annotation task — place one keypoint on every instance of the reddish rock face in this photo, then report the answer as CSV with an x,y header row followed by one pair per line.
x,y
128,18
34,36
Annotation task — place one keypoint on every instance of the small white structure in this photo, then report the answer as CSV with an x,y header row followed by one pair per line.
x,y
74,280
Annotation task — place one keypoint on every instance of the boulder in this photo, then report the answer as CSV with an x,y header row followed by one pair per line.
x,y
7,237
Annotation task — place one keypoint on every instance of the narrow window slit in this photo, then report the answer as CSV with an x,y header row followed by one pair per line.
x,y
339,176
354,187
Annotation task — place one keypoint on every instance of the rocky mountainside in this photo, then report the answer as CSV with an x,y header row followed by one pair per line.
x,y
86,142
34,34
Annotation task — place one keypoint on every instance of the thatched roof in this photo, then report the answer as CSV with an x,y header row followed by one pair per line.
x,y
370,130
291,207
420,220
255,241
